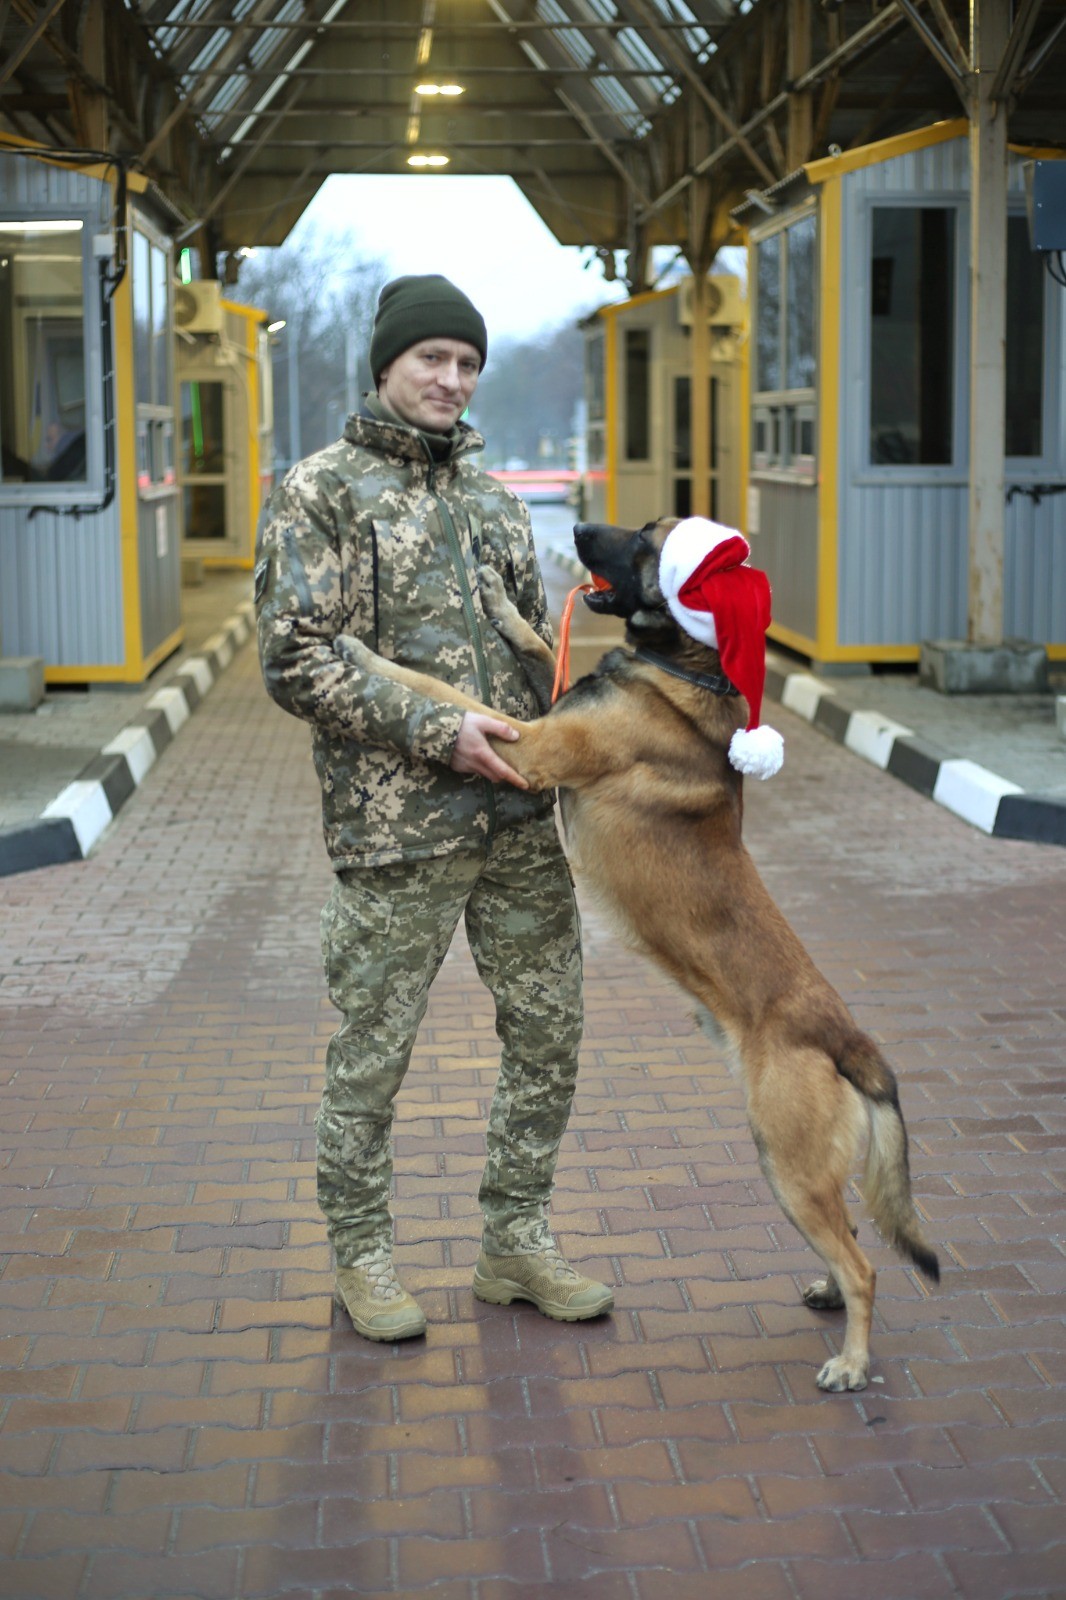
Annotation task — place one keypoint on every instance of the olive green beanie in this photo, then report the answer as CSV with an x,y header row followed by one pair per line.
x,y
428,307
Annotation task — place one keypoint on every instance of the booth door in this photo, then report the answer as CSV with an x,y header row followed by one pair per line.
x,y
207,469
679,402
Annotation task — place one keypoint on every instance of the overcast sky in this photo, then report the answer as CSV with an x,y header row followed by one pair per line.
x,y
480,232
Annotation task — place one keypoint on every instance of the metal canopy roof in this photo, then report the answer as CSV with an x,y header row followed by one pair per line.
x,y
626,123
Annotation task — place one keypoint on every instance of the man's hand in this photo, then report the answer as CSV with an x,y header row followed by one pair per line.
x,y
473,753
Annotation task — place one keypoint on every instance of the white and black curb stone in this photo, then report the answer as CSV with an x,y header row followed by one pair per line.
x,y
980,797
71,824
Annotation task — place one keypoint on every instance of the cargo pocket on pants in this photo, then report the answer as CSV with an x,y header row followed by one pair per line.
x,y
355,949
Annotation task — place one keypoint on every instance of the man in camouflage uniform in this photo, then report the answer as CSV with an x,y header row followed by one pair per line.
x,y
380,536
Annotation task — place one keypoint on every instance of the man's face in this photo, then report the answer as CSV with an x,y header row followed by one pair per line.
x,y
430,384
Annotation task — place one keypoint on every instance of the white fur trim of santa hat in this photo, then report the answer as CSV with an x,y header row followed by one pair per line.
x,y
685,547
757,752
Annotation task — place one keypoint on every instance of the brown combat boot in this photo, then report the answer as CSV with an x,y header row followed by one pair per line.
x,y
377,1302
546,1279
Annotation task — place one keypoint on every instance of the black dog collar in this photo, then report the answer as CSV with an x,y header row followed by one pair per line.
x,y
717,683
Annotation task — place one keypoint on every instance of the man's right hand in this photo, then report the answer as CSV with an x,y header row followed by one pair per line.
x,y
474,753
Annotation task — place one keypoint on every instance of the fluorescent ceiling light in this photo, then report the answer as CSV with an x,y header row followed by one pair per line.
x,y
439,88
40,227
428,161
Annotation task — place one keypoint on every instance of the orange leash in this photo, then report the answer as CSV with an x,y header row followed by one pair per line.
x,y
562,664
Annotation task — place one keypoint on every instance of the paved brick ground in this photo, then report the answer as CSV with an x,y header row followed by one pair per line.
x,y
182,1413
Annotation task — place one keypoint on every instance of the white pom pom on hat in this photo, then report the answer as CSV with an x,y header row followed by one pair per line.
x,y
725,604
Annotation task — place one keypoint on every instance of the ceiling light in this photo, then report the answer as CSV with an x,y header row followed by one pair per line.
x,y
428,161
40,227
439,88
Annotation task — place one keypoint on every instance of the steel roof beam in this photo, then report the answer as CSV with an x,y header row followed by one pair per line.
x,y
1017,45
408,29
939,50
683,64
1039,56
883,23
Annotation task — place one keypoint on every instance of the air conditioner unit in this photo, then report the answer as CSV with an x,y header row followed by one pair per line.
x,y
725,303
198,306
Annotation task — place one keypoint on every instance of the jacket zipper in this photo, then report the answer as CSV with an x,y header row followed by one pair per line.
x,y
458,563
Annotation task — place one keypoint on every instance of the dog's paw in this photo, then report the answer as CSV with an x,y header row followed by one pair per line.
x,y
493,593
352,650
823,1295
841,1372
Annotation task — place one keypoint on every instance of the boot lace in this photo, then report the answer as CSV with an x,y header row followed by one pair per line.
x,y
381,1275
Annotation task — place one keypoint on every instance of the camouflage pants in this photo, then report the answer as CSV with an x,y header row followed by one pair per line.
x,y
385,932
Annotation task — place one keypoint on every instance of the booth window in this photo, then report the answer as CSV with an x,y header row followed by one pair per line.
x,y
151,363
912,335
682,503
638,400
42,352
1025,343
785,320
203,458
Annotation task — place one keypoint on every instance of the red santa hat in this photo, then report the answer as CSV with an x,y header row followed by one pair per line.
x,y
725,604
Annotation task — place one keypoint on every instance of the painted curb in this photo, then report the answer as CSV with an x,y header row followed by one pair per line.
x,y
70,825
980,797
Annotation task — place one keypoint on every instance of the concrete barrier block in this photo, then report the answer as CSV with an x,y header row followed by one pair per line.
x,y
953,666
21,682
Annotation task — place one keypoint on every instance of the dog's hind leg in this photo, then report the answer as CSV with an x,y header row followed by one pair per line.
x,y
831,1237
825,1294
822,1218
806,1156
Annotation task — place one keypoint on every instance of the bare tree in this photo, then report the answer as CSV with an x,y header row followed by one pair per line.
x,y
526,400
321,370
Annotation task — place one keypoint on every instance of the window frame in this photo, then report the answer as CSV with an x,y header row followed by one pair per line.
x,y
782,411
647,332
1050,459
155,421
867,473
74,492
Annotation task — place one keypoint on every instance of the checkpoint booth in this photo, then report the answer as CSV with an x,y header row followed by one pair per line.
x,y
131,430
638,394
856,443
226,437
90,558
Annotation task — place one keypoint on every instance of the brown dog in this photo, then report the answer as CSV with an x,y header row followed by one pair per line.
x,y
652,811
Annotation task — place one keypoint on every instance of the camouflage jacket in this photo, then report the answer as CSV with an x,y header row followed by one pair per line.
x,y
371,537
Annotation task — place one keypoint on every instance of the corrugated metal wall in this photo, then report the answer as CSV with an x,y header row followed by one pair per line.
x,y
787,550
903,534
61,588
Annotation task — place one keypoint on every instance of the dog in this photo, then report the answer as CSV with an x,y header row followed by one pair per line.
x,y
652,810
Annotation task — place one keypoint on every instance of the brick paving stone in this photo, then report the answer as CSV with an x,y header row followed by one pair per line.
x,y
182,1412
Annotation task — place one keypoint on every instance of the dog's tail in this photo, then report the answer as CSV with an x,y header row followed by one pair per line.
x,y
887,1185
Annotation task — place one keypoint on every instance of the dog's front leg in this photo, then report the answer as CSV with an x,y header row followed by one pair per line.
x,y
360,655
532,654
568,749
